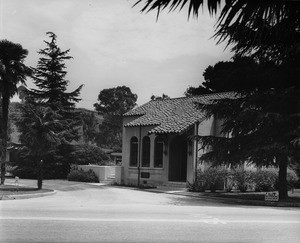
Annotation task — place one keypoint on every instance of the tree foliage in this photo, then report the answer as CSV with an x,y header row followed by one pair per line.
x,y
50,77
113,103
244,74
41,132
48,119
162,97
262,28
90,122
262,124
88,154
12,72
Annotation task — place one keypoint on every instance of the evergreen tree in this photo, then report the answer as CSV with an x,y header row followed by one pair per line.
x,y
49,77
51,95
261,120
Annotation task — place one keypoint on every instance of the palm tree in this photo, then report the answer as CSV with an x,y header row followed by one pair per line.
x,y
41,129
12,72
263,27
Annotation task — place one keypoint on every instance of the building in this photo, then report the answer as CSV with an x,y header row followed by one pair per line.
x,y
157,144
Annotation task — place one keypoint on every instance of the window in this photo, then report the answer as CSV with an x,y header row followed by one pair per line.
x,y
133,151
158,152
146,152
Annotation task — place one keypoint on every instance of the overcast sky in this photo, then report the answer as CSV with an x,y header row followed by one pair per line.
x,y
114,44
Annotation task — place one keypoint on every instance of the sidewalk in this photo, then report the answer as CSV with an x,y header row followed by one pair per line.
x,y
231,197
27,189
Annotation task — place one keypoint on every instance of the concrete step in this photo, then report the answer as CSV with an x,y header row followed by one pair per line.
x,y
107,182
173,185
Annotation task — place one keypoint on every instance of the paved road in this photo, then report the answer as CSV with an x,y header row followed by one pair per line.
x,y
87,213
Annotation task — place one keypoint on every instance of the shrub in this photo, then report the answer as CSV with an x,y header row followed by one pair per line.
x,y
199,184
265,179
229,182
242,178
83,176
211,178
291,178
89,154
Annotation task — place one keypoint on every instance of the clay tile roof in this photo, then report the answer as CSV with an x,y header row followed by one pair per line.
x,y
172,115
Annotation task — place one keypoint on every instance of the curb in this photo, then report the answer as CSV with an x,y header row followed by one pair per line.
x,y
26,196
229,200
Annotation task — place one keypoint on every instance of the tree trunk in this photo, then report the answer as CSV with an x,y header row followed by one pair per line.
x,y
40,174
3,162
282,182
5,105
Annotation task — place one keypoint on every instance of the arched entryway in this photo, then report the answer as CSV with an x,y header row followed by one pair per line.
x,y
178,160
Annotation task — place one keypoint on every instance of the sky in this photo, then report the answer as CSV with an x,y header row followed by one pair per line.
x,y
113,44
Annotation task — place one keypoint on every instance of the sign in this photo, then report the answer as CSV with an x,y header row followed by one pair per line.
x,y
145,175
272,196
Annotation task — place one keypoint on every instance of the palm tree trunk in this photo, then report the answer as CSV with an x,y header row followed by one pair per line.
x,y
282,187
5,105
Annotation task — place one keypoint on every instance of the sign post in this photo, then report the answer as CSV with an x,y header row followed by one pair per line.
x,y
17,182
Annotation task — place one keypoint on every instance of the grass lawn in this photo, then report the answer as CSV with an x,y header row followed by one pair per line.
x,y
259,196
18,190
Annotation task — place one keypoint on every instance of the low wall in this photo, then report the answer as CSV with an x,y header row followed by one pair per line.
x,y
104,173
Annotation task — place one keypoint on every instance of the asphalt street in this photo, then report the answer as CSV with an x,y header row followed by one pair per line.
x,y
81,212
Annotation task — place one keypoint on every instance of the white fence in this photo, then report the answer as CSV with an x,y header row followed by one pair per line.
x,y
113,174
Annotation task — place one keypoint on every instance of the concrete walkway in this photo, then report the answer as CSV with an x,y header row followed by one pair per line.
x,y
53,185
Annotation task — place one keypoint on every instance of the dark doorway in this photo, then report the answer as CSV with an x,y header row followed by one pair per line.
x,y
178,160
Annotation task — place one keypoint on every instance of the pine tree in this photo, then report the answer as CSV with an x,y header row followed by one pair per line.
x,y
49,77
261,120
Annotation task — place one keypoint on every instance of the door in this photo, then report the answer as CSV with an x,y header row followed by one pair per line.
x,y
178,160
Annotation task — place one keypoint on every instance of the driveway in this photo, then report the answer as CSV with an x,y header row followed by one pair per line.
x,y
81,212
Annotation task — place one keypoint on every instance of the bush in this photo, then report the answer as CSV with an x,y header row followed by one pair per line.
x,y
211,178
292,178
80,175
242,178
199,184
89,154
265,179
229,182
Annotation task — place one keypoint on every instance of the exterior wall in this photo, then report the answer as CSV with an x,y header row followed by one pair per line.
x,y
131,176
159,176
103,172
